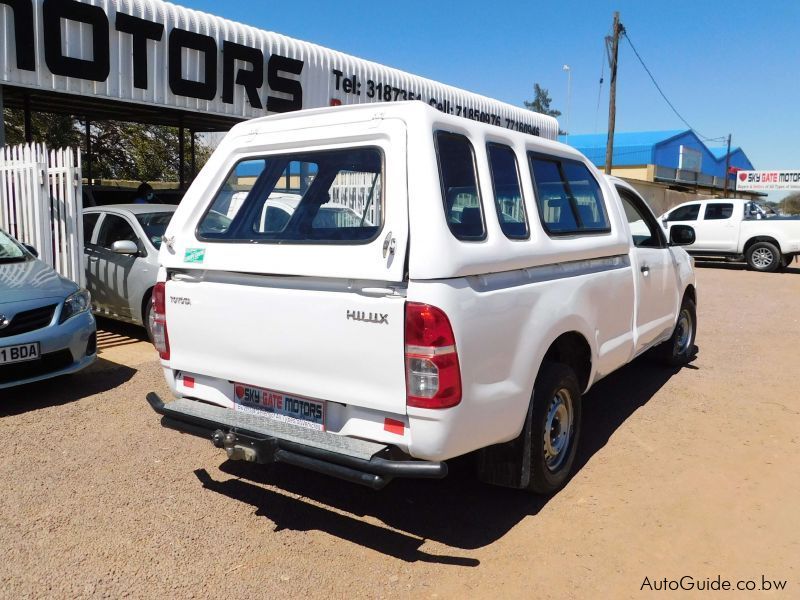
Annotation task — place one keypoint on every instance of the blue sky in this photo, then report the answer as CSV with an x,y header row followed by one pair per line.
x,y
728,67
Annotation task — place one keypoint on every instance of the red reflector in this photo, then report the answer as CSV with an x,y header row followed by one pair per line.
x,y
392,426
188,381
336,102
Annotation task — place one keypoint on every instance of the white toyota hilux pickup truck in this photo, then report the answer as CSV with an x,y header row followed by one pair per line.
x,y
737,229
472,284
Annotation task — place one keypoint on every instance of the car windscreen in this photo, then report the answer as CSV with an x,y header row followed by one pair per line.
x,y
10,250
154,225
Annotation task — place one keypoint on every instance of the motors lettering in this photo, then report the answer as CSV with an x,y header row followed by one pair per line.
x,y
281,71
360,315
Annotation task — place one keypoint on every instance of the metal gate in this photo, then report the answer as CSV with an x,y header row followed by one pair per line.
x,y
41,204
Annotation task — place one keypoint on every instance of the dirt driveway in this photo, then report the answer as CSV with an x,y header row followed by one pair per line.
x,y
694,473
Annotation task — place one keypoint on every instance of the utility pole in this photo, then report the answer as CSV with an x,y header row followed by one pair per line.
x,y
727,168
612,102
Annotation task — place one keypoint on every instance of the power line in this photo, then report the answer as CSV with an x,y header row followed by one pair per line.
x,y
600,86
664,96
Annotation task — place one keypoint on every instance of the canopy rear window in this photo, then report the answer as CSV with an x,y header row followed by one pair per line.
x,y
312,197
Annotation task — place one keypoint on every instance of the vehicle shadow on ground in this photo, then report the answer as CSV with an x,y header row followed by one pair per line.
x,y
793,268
102,376
457,511
111,333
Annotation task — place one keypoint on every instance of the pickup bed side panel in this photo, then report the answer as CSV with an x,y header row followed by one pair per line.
x,y
504,324
785,232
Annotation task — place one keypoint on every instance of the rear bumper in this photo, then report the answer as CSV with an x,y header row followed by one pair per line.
x,y
243,438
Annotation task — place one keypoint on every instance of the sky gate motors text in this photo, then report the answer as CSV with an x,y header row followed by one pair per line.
x,y
142,30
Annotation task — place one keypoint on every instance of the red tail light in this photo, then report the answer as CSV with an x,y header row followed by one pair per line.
x,y
160,335
433,376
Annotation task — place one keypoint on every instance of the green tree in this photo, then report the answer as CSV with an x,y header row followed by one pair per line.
x,y
56,131
541,104
120,150
790,205
137,151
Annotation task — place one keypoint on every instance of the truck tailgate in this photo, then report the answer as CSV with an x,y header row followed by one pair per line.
x,y
324,339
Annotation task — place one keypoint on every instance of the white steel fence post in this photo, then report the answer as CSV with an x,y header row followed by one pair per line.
x,y
41,204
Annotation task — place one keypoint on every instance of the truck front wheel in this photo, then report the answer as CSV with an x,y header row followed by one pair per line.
x,y
554,425
678,350
763,256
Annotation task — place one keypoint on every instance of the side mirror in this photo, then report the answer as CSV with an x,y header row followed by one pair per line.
x,y
665,222
125,247
31,249
681,235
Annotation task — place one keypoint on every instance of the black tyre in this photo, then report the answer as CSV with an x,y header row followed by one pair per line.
x,y
786,261
147,319
763,256
678,350
554,425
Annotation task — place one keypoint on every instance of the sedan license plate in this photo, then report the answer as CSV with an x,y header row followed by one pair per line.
x,y
280,407
19,353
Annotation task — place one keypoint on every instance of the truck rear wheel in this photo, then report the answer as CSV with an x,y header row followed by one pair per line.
x,y
763,256
555,425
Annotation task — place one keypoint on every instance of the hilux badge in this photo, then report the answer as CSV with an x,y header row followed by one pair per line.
x,y
360,315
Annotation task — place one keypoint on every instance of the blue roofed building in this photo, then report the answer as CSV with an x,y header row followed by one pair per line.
x,y
666,167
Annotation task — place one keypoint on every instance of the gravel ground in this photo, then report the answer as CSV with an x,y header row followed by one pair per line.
x,y
681,473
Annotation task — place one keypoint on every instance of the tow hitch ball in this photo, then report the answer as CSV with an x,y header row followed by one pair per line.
x,y
234,449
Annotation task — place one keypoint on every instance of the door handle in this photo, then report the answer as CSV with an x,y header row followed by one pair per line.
x,y
645,270
378,291
186,277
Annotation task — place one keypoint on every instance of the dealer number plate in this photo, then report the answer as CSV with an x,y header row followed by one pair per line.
x,y
20,353
280,407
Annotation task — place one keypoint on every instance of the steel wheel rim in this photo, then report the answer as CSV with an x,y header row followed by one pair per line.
x,y
762,257
683,331
558,429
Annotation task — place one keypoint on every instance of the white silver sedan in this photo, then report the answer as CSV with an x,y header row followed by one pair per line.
x,y
121,243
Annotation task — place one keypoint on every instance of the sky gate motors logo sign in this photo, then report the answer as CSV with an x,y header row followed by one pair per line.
x,y
151,52
767,180
98,67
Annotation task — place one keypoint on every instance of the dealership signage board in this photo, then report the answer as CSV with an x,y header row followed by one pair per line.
x,y
156,53
767,181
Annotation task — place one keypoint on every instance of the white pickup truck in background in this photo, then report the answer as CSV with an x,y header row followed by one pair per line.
x,y
737,229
